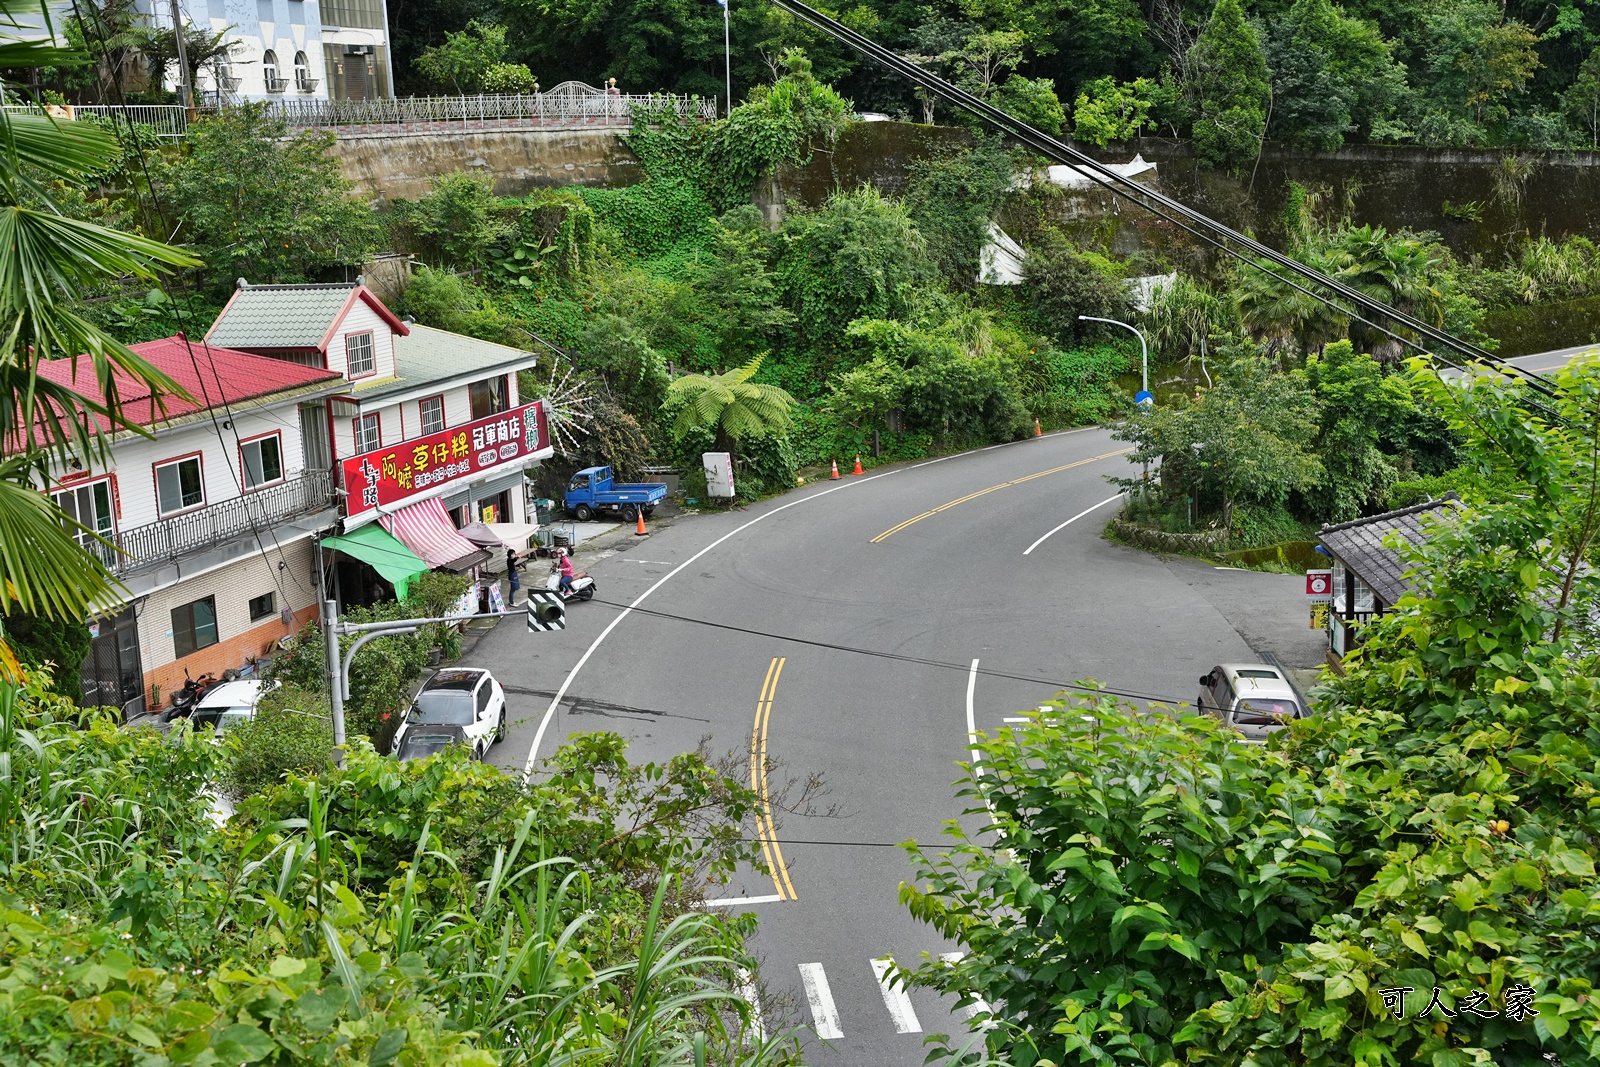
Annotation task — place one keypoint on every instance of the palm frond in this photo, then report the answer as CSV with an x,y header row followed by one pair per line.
x,y
43,569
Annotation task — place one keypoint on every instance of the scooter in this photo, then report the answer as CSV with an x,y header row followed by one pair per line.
x,y
185,699
583,586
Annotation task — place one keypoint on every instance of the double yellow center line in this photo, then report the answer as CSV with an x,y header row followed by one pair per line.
x,y
891,531
758,781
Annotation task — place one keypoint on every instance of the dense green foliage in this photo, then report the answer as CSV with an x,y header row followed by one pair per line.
x,y
60,644
292,733
1147,889
1462,72
257,203
852,323
1323,443
436,912
1229,71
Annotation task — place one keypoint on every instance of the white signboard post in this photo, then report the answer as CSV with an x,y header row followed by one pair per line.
x,y
719,474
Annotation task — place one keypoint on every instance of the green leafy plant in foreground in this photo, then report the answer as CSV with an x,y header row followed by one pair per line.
x,y
378,913
1147,889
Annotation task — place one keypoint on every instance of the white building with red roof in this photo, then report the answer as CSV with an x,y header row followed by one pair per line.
x,y
428,436
214,515
326,449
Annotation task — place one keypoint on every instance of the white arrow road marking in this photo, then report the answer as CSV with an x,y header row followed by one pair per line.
x,y
895,998
979,1006
824,1016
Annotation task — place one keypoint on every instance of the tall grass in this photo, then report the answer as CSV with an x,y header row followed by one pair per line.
x,y
106,831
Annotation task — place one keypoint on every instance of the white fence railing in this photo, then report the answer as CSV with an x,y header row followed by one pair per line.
x,y
168,120
568,104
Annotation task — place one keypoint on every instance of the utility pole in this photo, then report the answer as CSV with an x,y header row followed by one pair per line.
x,y
727,54
185,89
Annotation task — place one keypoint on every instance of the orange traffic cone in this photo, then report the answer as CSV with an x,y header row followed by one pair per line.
x,y
1037,431
858,469
835,475
641,531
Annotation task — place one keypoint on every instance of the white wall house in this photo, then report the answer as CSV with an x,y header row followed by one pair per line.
x,y
290,49
428,433
214,517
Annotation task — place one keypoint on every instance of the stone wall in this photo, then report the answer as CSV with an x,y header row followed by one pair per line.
x,y
388,166
1190,544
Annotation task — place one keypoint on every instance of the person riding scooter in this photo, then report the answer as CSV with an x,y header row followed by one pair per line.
x,y
564,565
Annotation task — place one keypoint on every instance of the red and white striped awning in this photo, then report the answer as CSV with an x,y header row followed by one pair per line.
x,y
426,529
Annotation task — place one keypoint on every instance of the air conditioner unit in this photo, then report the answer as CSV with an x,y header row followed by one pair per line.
x,y
358,50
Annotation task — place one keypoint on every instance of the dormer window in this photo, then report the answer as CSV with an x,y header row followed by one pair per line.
x,y
358,355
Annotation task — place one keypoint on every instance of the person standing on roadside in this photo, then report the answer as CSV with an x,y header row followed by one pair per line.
x,y
511,573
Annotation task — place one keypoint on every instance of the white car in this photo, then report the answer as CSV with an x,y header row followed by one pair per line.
x,y
467,697
229,703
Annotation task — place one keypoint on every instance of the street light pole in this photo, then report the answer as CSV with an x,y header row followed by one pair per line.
x,y
727,54
1144,350
1144,398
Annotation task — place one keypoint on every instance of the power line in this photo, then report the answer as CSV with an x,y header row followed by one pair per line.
x,y
1222,237
127,138
919,661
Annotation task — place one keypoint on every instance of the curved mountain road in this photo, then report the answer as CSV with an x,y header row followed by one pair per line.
x,y
857,627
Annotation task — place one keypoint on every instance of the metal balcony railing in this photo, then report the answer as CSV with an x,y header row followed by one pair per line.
x,y
167,539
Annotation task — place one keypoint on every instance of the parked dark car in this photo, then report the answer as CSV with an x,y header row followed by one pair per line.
x,y
426,740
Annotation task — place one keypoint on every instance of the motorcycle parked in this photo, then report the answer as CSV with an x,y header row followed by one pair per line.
x,y
185,699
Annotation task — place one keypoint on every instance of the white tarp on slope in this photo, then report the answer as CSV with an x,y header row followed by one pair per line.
x,y
1142,291
1000,261
1072,177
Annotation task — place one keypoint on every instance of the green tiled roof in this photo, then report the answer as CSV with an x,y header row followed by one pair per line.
x,y
430,355
279,316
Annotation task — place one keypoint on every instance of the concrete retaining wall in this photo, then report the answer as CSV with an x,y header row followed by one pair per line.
x,y
389,166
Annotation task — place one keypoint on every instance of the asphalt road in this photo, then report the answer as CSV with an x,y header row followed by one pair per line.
x,y
929,567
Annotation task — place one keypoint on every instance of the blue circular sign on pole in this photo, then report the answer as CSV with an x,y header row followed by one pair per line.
x,y
1144,399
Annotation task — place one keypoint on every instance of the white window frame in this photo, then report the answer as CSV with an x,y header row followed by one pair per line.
x,y
422,414
361,446
371,361
105,526
200,466
244,462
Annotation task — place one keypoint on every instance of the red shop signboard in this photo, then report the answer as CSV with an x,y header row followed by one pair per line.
x,y
388,477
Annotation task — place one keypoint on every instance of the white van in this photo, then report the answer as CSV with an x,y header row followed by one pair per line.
x,y
1253,698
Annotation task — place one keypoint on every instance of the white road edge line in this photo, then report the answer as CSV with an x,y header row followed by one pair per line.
x,y
972,724
555,701
896,999
561,694
979,1006
734,902
747,991
1070,521
824,1016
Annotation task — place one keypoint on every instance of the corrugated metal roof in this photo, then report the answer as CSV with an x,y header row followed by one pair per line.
x,y
288,316
1360,544
211,374
428,355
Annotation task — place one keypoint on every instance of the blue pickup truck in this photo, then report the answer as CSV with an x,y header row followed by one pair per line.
x,y
592,491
